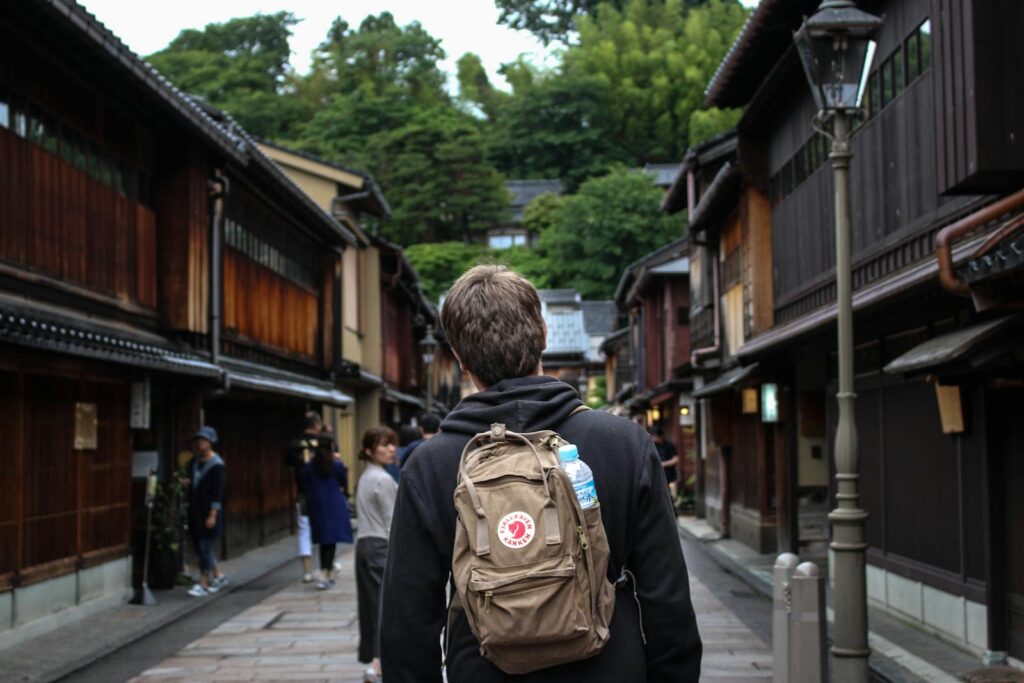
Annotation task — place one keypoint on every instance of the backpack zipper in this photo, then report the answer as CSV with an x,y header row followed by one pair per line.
x,y
487,600
582,543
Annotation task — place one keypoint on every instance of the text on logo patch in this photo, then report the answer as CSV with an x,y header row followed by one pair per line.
x,y
516,529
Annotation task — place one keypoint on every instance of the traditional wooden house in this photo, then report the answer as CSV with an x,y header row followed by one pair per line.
x,y
351,197
730,300
405,317
941,153
576,330
654,291
156,272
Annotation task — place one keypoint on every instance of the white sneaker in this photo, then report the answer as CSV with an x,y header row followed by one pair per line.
x,y
307,578
370,676
321,585
219,581
197,591
337,565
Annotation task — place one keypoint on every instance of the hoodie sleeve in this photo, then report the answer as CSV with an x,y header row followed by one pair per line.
x,y
413,594
662,584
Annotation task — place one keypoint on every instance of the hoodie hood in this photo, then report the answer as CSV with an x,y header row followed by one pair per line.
x,y
524,404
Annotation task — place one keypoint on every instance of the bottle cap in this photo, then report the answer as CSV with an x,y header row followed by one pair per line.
x,y
568,453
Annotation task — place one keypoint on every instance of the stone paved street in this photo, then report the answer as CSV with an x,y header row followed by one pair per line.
x,y
301,634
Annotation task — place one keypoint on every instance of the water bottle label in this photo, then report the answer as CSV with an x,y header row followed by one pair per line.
x,y
586,493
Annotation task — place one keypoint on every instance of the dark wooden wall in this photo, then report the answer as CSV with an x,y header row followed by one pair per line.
x,y
400,351
932,531
56,220
266,308
893,180
260,491
61,507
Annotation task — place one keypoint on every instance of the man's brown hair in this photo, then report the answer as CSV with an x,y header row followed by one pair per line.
x,y
492,320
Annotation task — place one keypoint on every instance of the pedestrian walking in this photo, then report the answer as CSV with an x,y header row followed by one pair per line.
x,y
207,478
492,320
299,454
429,424
669,456
375,502
325,480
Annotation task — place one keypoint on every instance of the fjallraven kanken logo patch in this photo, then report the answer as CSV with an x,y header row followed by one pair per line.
x,y
516,529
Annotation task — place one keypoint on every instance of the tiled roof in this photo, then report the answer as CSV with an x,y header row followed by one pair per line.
x,y
563,315
559,296
522,192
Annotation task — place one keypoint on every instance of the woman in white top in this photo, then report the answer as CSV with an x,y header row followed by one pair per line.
x,y
375,503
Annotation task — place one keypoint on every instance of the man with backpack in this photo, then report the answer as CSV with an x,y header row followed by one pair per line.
x,y
547,584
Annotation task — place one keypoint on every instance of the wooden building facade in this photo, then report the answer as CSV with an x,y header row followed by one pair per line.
x,y
157,272
654,292
934,375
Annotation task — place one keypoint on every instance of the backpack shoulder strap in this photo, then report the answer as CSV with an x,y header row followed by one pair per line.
x,y
579,409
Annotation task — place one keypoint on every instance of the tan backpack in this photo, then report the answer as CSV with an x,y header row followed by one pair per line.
x,y
529,564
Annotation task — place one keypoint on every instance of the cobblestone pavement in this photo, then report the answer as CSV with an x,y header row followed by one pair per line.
x,y
301,634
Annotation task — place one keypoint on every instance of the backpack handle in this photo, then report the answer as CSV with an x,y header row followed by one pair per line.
x,y
553,535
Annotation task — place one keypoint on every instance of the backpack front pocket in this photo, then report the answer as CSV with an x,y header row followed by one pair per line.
x,y
526,604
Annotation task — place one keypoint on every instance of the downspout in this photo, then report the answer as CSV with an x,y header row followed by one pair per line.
x,y
218,188
697,354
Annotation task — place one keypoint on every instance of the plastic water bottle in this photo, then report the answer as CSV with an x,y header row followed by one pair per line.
x,y
579,474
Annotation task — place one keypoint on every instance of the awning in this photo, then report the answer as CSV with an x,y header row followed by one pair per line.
x,y
245,375
951,347
400,397
726,381
58,330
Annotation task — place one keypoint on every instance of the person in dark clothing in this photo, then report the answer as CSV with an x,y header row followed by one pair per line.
x,y
207,477
492,320
429,426
300,453
324,481
669,457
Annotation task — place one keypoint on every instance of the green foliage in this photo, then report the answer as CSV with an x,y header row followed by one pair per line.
x,y
240,66
707,123
555,20
167,504
655,59
598,396
596,233
440,264
435,173
557,127
380,57
475,87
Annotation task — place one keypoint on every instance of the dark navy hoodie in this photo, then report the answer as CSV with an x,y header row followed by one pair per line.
x,y
638,518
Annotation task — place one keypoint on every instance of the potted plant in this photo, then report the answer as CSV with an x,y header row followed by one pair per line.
x,y
166,534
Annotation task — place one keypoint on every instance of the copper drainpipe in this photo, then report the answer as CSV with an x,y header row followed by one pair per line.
x,y
944,240
697,354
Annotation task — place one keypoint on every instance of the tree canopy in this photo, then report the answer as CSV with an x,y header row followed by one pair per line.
x,y
626,91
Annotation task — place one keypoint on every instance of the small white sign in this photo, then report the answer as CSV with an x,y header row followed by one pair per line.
x,y
143,462
140,405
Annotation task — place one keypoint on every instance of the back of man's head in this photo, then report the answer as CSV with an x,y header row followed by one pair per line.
x,y
313,421
429,423
492,319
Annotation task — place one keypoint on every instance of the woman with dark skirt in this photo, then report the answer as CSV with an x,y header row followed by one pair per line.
x,y
375,503
325,481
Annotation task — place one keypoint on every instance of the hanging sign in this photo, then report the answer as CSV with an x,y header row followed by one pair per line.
x,y
140,405
769,402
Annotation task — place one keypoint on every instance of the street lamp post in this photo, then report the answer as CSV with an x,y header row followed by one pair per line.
x,y
427,346
836,48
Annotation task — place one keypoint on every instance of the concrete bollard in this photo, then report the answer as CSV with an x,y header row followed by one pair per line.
x,y
785,564
807,635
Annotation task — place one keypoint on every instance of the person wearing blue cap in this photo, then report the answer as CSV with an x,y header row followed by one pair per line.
x,y
207,476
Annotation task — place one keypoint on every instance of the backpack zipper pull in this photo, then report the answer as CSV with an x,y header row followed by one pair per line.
x,y
583,544
487,600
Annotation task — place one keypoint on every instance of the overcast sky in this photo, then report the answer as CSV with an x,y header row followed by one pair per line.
x,y
462,25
